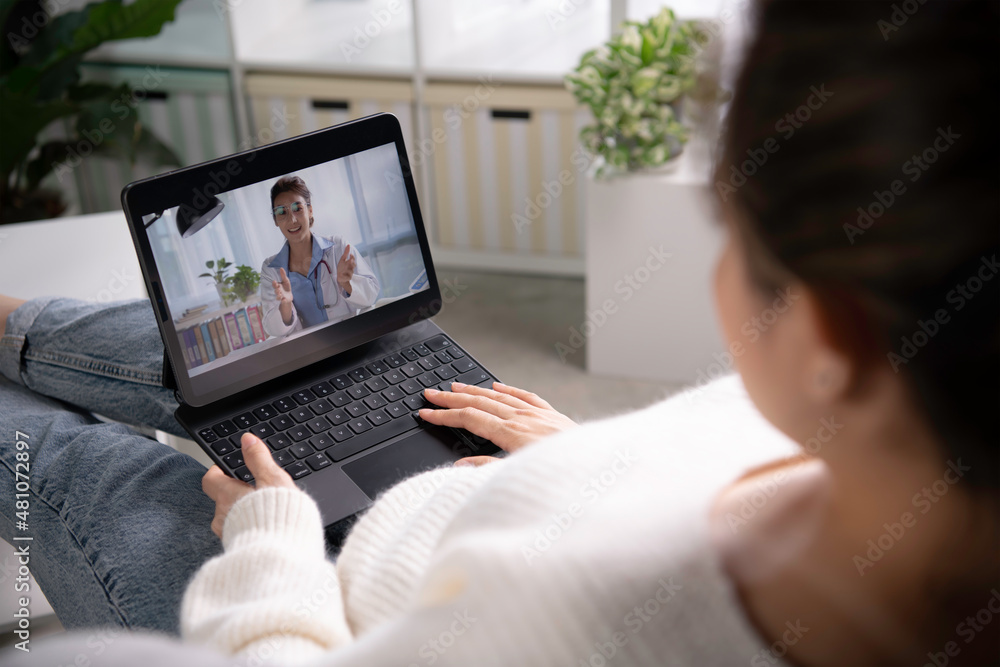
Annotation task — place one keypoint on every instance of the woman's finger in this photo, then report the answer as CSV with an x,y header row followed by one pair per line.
x,y
216,483
475,421
476,461
451,399
526,396
261,464
347,252
507,399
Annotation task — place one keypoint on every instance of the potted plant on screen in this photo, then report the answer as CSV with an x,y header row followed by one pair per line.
x,y
219,272
245,282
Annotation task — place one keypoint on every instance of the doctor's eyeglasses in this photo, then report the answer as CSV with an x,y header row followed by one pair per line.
x,y
282,212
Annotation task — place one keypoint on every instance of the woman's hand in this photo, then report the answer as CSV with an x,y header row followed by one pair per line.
x,y
345,269
225,490
283,294
510,417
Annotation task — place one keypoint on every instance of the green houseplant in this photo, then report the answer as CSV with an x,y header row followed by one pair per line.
x,y
40,83
245,282
219,273
633,84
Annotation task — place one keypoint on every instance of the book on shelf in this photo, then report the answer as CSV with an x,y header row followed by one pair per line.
x,y
233,331
256,323
244,326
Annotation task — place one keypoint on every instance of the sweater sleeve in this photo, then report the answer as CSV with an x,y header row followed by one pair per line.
x,y
272,591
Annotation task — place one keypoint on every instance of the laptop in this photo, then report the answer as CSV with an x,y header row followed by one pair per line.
x,y
332,380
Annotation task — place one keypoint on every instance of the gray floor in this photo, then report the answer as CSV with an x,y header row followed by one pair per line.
x,y
512,324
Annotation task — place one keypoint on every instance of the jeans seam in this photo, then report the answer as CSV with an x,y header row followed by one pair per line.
x,y
107,594
95,367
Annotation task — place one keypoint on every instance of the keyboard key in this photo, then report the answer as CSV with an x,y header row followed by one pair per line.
x,y
322,406
300,450
411,386
298,433
359,374
378,417
378,367
338,417
321,389
279,441
446,372
410,355
411,370
321,441
301,414
393,377
282,458
463,365
340,399
361,442
421,350
304,396
376,384
428,379
437,343
234,460
417,401
237,440
264,412
262,430
359,425
222,447
358,391
456,351
222,429
243,473
208,435
397,410
395,360
318,425
285,404
375,401
473,377
341,382
318,461
297,470
429,363
444,357
357,409
341,434
281,423
244,421
393,394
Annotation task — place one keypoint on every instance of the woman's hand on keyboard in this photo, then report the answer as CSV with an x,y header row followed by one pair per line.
x,y
510,417
225,490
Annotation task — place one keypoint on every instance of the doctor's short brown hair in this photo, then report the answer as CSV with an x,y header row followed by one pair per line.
x,y
291,184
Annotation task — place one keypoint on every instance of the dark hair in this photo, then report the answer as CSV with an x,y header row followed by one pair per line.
x,y
291,184
861,158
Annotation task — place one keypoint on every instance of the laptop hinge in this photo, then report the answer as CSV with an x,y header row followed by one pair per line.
x,y
169,381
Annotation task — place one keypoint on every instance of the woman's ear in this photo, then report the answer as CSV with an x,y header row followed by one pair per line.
x,y
829,371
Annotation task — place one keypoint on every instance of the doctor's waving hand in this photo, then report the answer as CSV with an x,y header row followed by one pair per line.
x,y
312,279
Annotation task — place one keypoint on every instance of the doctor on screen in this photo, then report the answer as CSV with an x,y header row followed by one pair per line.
x,y
312,279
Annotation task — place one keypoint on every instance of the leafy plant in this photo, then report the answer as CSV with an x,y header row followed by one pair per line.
x,y
633,84
245,282
40,83
219,272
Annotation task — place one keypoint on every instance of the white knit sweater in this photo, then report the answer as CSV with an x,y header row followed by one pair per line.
x,y
590,547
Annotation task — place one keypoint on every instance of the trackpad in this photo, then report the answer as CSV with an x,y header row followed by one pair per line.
x,y
428,447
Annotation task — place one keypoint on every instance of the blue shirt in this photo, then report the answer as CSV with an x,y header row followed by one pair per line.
x,y
306,290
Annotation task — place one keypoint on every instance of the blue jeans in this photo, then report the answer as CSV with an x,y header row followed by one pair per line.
x,y
120,522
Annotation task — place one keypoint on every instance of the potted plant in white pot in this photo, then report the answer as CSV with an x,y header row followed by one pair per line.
x,y
649,247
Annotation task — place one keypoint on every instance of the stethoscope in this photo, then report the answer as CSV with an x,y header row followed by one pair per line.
x,y
319,293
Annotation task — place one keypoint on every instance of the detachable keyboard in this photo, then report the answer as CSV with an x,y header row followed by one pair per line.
x,y
344,415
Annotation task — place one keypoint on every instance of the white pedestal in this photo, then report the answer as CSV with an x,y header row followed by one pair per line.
x,y
659,321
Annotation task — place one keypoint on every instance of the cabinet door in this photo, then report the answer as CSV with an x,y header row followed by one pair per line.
x,y
507,169
190,111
